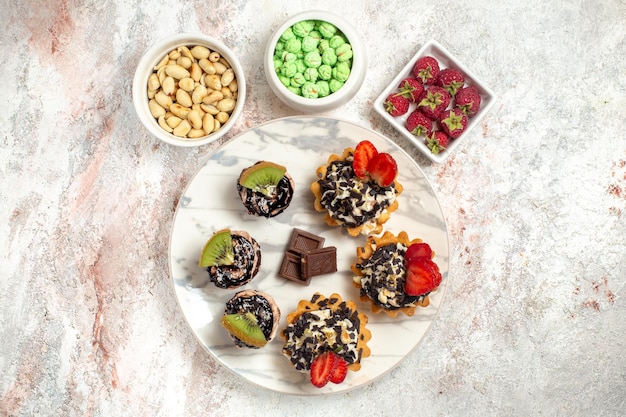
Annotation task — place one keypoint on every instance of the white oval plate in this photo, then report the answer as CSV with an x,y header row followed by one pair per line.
x,y
210,202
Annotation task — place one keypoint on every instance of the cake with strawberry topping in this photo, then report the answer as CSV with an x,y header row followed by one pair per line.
x,y
326,337
395,274
357,190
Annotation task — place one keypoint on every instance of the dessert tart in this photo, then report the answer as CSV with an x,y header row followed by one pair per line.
x,y
231,257
357,190
328,326
251,318
395,274
265,189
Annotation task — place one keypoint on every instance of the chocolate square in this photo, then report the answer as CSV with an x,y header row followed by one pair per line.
x,y
318,262
291,268
303,241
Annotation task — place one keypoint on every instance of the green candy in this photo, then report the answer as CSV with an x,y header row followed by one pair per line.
x,y
315,34
309,43
289,69
341,72
303,28
293,45
323,88
329,57
300,65
309,90
326,29
289,57
323,45
294,90
287,34
313,59
344,52
336,41
325,72
277,63
298,79
286,81
311,74
335,85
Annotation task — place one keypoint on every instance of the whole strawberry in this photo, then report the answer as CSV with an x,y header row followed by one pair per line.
x,y
396,105
468,100
434,101
418,124
426,70
453,122
437,141
411,88
451,79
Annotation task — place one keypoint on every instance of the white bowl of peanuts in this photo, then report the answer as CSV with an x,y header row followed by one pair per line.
x,y
189,89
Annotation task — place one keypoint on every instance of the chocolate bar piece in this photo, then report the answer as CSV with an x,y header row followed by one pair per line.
x,y
291,268
303,241
318,262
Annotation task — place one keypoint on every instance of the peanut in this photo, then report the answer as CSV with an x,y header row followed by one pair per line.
x,y
183,98
182,129
177,71
195,118
169,85
200,52
153,82
198,94
156,109
213,97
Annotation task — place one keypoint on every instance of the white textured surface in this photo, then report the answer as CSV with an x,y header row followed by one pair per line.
x,y
533,318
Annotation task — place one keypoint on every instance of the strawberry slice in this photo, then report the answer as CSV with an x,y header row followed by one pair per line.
x,y
422,276
339,373
363,154
383,169
322,367
418,250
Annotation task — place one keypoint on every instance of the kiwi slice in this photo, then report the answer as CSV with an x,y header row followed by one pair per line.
x,y
262,177
218,250
244,326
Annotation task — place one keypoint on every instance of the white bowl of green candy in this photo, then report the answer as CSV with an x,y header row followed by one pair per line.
x,y
315,61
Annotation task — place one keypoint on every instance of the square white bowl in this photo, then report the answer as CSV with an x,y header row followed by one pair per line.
x,y
446,60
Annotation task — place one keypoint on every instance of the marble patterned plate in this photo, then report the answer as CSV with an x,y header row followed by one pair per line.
x,y
210,202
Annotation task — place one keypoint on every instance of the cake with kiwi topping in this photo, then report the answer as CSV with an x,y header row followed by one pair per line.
x,y
231,257
251,318
265,189
322,327
395,274
357,190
